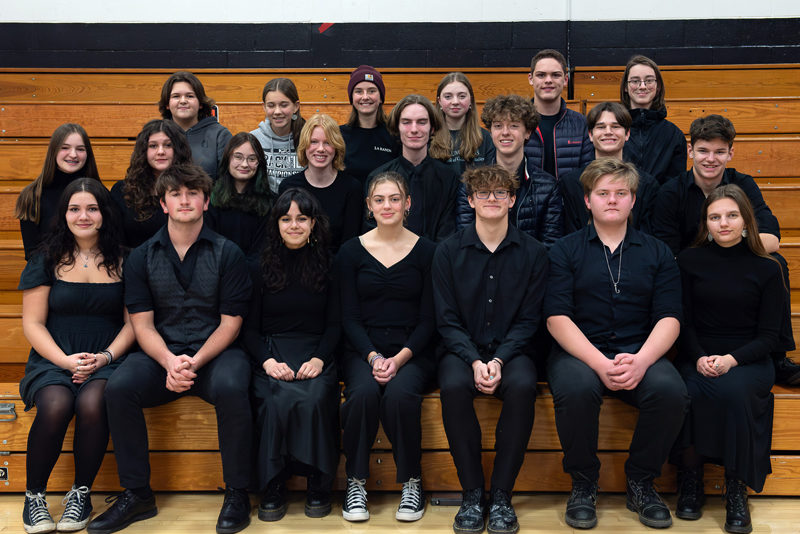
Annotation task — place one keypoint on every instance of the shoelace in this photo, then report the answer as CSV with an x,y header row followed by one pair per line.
x,y
583,490
74,501
737,498
356,494
37,508
412,491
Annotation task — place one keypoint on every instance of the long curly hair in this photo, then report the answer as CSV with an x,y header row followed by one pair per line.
x,y
315,258
139,182
27,207
469,135
257,197
58,245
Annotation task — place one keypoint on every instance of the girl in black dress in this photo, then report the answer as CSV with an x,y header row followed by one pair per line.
x,y
74,318
388,319
241,198
369,143
732,292
321,151
159,145
463,142
656,146
291,333
69,156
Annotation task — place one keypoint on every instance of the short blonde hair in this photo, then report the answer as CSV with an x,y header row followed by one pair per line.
x,y
332,134
620,170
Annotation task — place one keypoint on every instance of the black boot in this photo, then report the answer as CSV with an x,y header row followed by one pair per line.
x,y
737,512
502,518
582,503
273,503
690,494
787,372
235,513
469,519
643,499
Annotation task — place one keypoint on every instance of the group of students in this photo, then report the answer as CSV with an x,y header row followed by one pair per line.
x,y
251,284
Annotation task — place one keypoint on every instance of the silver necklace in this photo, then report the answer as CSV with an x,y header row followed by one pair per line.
x,y
85,259
619,270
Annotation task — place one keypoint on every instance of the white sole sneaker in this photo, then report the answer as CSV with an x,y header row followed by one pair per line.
x,y
358,515
409,515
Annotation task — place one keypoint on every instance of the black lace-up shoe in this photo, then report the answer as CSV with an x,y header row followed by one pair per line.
x,y
737,512
502,519
126,508
582,504
643,499
690,494
273,504
787,372
235,513
469,519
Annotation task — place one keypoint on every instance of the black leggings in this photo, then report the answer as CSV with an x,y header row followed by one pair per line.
x,y
55,406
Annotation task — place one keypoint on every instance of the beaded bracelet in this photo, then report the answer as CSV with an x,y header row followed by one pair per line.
x,y
374,357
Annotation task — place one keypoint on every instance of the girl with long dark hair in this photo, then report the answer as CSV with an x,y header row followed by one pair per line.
x,y
291,333
74,317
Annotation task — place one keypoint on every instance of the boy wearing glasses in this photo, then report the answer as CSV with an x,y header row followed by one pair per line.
x,y
560,143
488,281
613,306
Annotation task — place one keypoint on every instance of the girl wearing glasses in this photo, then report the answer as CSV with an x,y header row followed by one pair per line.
x,y
388,363
241,198
655,146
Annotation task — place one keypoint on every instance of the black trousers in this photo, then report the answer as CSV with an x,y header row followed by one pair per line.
x,y
517,389
578,393
140,382
785,334
398,406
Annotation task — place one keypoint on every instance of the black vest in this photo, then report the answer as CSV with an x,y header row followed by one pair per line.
x,y
185,318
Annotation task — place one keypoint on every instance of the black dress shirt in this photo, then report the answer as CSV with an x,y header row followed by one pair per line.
x,y
488,303
580,288
235,285
676,216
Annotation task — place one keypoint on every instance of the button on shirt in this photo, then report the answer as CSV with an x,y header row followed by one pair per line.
x,y
580,287
488,303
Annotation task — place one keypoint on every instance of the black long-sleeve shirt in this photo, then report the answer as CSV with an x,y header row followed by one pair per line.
x,y
376,296
732,301
136,232
489,303
366,149
676,216
295,309
580,287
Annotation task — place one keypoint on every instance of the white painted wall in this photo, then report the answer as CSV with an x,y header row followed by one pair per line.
x,y
317,11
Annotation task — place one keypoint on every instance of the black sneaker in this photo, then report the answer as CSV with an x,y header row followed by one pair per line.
x,y
737,512
355,500
412,501
77,509
502,518
582,504
690,494
469,519
126,508
643,499
787,372
235,513
273,504
35,515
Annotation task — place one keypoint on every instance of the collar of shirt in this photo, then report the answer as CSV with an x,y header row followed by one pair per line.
x,y
632,235
687,179
410,167
163,237
469,238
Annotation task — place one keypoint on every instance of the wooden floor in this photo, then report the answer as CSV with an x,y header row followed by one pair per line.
x,y
540,513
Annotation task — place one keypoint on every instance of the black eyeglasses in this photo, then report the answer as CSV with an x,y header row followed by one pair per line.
x,y
499,194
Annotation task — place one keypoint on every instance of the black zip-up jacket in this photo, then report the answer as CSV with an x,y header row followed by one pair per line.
x,y
537,210
655,146
573,148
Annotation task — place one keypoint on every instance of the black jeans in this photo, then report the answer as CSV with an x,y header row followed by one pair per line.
x,y
140,382
578,393
517,389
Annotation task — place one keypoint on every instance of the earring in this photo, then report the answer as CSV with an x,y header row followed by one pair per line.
x,y
744,232
294,116
370,215
407,212
710,238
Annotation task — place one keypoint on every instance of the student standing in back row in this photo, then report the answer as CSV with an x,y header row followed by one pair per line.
x,y
560,143
184,100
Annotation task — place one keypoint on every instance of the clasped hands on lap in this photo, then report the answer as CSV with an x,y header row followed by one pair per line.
x,y
82,365
281,370
714,366
625,371
487,376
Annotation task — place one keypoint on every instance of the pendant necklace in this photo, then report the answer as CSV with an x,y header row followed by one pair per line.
x,y
85,259
619,270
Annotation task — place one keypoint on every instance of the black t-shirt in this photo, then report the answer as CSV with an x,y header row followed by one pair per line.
x,y
547,127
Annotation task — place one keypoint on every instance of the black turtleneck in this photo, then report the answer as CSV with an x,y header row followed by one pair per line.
x,y
48,206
